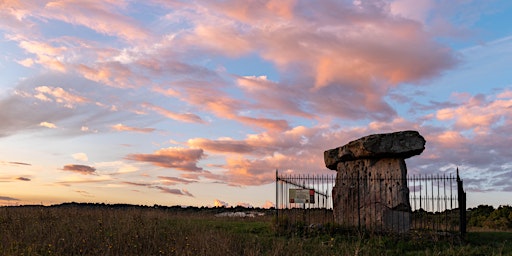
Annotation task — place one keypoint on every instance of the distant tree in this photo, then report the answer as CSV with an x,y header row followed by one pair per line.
x,y
486,216
500,218
478,215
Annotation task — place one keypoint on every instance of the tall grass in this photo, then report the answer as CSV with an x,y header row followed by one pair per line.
x,y
79,230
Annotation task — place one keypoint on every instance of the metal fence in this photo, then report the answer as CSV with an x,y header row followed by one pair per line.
x,y
437,203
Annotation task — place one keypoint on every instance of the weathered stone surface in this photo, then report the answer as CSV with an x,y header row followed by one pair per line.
x,y
403,144
371,183
372,193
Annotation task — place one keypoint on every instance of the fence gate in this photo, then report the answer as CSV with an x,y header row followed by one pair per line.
x,y
304,200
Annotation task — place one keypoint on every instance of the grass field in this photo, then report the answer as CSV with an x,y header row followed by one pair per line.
x,y
80,230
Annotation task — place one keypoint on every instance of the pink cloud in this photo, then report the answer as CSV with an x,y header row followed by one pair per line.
x,y
265,123
252,11
341,46
213,100
47,55
41,48
246,172
183,117
122,128
59,95
315,50
327,49
214,38
14,13
113,74
448,139
102,17
223,145
478,114
178,158
174,180
292,102
412,9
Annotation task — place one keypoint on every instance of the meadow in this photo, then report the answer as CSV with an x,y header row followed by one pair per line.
x,y
130,230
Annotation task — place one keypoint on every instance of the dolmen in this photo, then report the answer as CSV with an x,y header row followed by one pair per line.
x,y
371,182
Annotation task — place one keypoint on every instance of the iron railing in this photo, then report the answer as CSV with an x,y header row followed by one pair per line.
x,y
436,203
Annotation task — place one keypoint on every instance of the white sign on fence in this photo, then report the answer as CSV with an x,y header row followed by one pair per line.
x,y
301,196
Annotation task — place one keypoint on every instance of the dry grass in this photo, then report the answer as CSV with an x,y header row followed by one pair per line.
x,y
122,231
79,230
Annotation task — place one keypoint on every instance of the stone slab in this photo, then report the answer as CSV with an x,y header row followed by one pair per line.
x,y
402,144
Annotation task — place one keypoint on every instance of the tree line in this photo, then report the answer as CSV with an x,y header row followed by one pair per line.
x,y
486,216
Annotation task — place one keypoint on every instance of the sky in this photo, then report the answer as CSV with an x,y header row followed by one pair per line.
x,y
199,102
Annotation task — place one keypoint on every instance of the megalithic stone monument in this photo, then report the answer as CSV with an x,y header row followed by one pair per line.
x,y
371,181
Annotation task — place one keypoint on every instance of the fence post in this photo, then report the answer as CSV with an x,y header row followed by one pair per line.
x,y
358,203
277,198
462,204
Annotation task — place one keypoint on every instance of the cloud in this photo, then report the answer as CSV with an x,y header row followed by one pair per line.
x,y
338,48
82,179
139,184
334,71
82,169
14,14
80,157
174,157
59,95
246,205
416,9
223,145
27,109
48,125
259,155
84,193
122,127
10,179
219,203
292,103
479,113
102,17
15,163
334,58
174,180
117,167
114,74
183,117
182,192
209,97
7,198
174,191
46,54
268,204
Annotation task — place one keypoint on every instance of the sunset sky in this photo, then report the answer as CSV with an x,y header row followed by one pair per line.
x,y
199,102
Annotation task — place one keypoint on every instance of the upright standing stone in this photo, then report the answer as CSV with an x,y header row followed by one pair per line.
x,y
371,183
